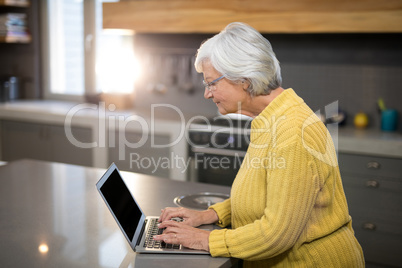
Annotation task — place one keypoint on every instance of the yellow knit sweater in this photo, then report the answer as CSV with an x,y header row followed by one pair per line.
x,y
287,206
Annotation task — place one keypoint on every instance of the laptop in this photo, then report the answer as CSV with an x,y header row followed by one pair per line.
x,y
137,228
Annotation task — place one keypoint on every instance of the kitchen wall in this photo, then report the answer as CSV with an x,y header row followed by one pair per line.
x,y
353,69
178,47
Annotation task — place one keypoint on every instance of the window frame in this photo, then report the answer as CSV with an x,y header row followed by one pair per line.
x,y
89,18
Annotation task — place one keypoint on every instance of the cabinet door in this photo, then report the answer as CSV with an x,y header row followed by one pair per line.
x,y
24,140
370,165
373,188
63,150
147,158
44,142
381,240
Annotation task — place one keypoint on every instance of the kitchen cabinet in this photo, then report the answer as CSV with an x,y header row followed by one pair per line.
x,y
23,58
13,12
43,142
373,188
267,16
146,159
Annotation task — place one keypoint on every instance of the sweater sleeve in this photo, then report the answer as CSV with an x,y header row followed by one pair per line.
x,y
223,210
291,193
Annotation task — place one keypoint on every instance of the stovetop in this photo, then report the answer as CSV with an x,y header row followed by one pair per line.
x,y
220,132
225,121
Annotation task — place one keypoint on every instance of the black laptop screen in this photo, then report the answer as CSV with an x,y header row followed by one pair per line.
x,y
122,203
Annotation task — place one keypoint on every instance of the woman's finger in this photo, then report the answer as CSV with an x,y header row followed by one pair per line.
x,y
170,238
173,230
168,224
168,213
164,213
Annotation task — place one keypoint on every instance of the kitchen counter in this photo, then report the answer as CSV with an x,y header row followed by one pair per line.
x,y
370,142
159,120
351,140
53,216
51,110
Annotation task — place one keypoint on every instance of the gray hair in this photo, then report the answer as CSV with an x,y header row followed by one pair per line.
x,y
241,53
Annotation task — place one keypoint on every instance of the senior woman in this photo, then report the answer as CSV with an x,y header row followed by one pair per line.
x,y
291,212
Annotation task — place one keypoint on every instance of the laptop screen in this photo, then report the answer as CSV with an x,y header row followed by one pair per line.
x,y
121,203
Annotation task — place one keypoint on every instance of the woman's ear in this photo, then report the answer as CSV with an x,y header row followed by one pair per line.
x,y
245,83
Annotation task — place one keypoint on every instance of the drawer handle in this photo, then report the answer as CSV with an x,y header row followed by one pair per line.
x,y
372,184
373,165
369,226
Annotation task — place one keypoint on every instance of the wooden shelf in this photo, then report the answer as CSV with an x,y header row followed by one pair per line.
x,y
267,16
15,39
14,3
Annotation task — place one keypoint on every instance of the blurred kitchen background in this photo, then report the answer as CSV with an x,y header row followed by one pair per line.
x,y
69,55
57,54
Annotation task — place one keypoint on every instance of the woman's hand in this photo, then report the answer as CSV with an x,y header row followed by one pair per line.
x,y
182,234
190,217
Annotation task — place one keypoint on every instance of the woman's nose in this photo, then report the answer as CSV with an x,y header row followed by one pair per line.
x,y
207,93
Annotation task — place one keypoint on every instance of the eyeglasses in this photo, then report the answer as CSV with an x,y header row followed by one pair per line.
x,y
211,85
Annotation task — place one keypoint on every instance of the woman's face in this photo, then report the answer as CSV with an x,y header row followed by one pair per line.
x,y
227,96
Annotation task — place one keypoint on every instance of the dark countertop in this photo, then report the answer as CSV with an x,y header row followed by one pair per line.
x,y
57,206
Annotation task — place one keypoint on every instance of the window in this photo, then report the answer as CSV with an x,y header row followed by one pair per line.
x,y
66,50
79,56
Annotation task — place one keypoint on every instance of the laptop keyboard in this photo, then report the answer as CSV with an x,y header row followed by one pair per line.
x,y
154,230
